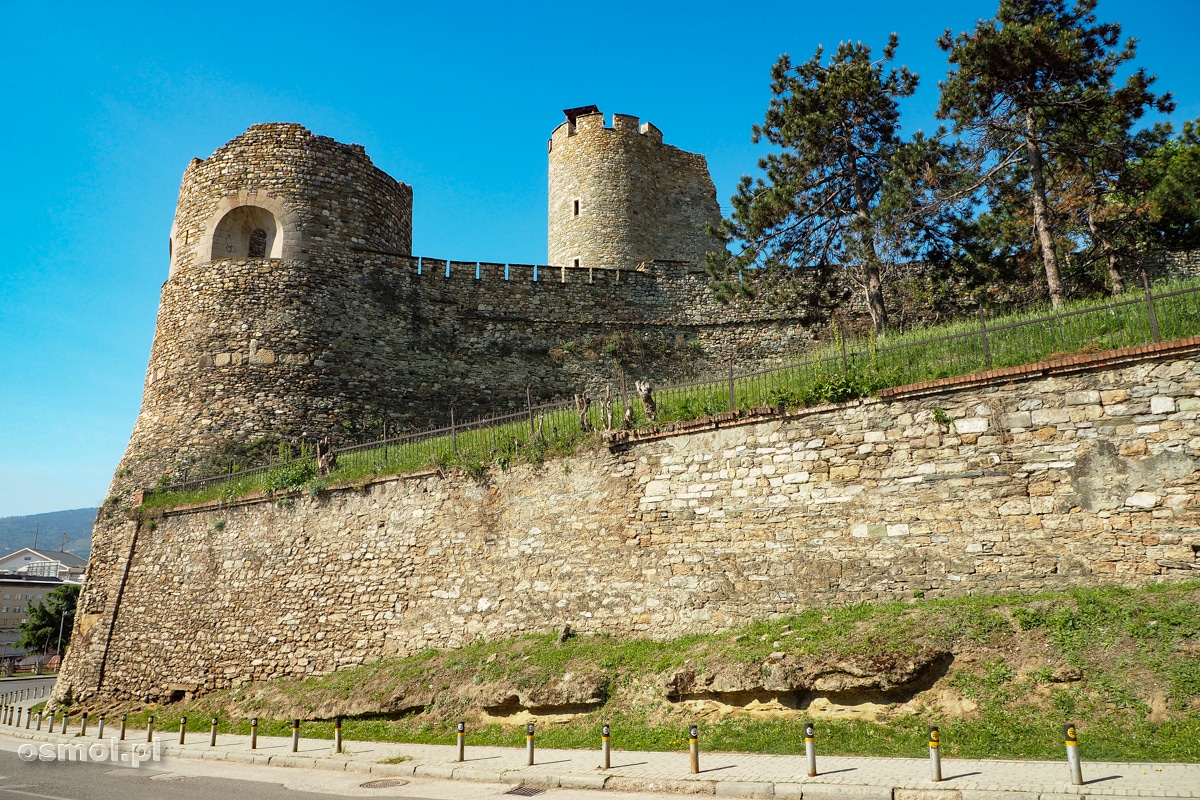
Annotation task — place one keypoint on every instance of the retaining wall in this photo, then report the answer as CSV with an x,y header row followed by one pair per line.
x,y
1043,483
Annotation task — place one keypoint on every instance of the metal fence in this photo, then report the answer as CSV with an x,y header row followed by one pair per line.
x,y
834,372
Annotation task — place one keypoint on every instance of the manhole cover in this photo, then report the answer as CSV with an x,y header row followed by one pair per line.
x,y
386,783
525,791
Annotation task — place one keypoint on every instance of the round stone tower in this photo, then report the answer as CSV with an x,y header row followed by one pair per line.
x,y
269,237
620,197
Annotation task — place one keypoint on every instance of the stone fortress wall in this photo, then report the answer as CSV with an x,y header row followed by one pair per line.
x,y
294,308
1078,479
325,319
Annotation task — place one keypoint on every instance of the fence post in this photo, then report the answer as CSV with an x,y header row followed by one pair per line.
x,y
732,397
845,367
453,434
987,351
1150,308
529,408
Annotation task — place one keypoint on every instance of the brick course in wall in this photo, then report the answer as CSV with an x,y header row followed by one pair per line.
x,y
1035,483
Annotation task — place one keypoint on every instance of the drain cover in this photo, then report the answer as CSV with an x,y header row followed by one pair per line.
x,y
386,783
525,791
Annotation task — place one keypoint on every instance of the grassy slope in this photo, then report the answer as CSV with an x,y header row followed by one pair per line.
x,y
1123,664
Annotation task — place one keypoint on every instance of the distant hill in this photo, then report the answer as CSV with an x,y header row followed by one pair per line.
x,y
76,524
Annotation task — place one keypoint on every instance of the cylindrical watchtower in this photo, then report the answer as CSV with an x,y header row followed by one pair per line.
x,y
268,235
619,197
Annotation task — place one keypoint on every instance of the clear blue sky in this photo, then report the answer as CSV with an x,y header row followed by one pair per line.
x,y
104,104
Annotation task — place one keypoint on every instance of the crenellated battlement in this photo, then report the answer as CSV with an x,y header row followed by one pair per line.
x,y
592,123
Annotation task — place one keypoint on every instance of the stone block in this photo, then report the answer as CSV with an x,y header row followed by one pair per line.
x,y
1043,504
1162,405
971,425
1018,506
1019,419
1188,403
1050,416
846,472
1142,500
1113,396
1080,398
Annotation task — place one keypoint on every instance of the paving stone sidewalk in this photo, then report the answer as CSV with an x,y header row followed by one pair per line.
x,y
721,774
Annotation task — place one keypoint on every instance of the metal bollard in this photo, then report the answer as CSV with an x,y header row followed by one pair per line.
x,y
64,725
182,729
122,727
253,732
694,747
604,748
212,736
337,735
100,725
150,728
810,748
529,744
83,725
462,740
50,727
39,725
28,719
295,736
1072,738
935,755
19,710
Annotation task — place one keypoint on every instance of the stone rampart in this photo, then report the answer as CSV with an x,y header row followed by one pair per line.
x,y
1088,478
254,347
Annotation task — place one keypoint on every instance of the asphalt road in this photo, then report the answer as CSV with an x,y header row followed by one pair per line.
x,y
187,779
56,780
26,690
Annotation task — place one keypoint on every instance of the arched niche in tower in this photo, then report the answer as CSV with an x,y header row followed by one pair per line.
x,y
247,232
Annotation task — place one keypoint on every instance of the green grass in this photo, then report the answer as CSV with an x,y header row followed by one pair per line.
x,y
1129,646
821,376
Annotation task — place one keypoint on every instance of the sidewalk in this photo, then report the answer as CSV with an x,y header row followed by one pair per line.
x,y
722,774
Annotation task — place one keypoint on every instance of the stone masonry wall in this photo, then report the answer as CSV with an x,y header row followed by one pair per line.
x,y
619,197
246,348
1087,478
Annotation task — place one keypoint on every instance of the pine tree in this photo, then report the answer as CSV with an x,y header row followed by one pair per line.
x,y
1023,82
836,128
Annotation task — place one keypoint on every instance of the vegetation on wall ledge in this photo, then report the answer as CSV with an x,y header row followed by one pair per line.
x,y
835,372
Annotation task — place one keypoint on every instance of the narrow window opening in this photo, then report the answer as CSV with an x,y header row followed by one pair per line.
x,y
575,263
577,208
258,244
